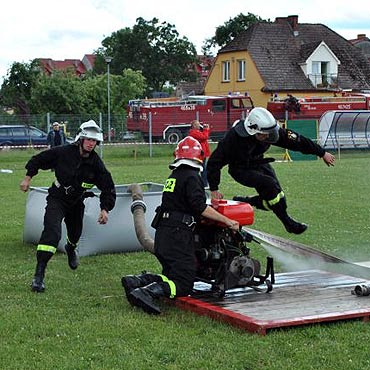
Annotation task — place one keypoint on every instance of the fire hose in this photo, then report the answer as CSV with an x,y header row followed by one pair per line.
x,y
138,209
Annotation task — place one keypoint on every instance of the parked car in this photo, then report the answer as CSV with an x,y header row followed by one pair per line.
x,y
20,135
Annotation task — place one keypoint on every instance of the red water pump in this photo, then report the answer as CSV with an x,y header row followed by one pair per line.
x,y
223,256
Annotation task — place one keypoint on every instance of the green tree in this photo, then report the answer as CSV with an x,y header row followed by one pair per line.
x,y
153,48
28,91
60,93
16,88
65,93
128,85
229,30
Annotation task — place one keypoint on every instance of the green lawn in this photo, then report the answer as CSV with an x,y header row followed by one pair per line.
x,y
82,321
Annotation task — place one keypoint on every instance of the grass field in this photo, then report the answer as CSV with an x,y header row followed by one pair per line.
x,y
82,321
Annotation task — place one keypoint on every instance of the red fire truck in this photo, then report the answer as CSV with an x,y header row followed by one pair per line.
x,y
315,107
169,119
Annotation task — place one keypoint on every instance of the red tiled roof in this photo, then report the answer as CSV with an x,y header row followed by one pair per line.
x,y
80,67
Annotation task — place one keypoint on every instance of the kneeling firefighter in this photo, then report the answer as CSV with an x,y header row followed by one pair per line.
x,y
77,169
183,204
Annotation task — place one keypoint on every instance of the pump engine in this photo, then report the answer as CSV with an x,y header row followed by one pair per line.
x,y
223,256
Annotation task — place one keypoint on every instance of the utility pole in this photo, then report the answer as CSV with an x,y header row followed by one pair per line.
x,y
108,60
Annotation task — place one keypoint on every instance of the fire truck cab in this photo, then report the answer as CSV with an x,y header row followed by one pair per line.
x,y
169,119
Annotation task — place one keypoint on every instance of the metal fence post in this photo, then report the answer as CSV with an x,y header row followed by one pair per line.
x,y
101,127
150,135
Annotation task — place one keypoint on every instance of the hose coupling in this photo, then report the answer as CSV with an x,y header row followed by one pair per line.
x,y
138,203
361,290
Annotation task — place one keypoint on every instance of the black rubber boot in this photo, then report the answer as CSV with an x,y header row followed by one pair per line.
x,y
38,284
254,201
292,226
131,282
73,260
43,258
144,297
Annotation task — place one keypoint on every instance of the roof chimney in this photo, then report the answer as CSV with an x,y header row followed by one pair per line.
x,y
293,21
361,36
280,19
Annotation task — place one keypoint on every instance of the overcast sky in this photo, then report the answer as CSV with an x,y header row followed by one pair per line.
x,y
69,29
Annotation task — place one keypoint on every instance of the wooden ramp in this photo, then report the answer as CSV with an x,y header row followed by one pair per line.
x,y
298,298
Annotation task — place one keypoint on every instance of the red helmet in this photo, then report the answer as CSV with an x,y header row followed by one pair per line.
x,y
189,148
188,151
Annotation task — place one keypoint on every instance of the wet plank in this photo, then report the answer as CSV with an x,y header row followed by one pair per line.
x,y
298,298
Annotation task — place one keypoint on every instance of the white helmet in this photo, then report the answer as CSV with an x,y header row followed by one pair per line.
x,y
90,130
259,121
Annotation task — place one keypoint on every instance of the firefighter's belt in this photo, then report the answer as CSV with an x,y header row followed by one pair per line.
x,y
179,217
69,190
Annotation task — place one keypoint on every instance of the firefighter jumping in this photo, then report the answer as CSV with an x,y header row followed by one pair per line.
x,y
243,148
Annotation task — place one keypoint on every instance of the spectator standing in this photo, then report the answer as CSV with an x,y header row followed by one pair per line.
x,y
56,136
201,133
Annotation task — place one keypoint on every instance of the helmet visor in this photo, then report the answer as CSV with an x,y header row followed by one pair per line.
x,y
273,134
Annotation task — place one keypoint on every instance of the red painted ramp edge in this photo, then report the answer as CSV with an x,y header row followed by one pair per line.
x,y
220,314
261,326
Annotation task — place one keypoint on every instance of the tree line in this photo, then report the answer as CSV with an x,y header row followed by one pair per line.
x,y
146,58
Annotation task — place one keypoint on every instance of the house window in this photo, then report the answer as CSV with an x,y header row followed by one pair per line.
x,y
226,71
325,77
316,68
320,74
241,70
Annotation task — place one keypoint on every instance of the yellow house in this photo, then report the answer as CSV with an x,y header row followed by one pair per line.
x,y
270,60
